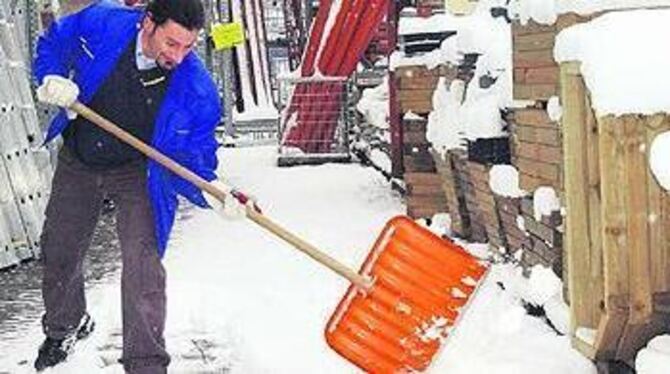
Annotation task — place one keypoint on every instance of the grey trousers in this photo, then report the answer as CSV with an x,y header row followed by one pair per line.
x,y
71,216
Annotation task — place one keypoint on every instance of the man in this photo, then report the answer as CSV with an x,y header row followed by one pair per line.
x,y
135,67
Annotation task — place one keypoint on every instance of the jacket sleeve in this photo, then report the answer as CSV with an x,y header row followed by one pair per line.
x,y
200,157
56,47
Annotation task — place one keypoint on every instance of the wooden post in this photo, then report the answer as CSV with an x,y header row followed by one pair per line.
x,y
658,234
584,310
636,168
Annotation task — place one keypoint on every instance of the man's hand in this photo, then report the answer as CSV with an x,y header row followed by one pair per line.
x,y
57,90
230,208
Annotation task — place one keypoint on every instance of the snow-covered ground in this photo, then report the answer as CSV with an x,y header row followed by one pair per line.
x,y
241,299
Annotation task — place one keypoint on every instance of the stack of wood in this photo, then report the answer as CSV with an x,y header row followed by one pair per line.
x,y
537,149
424,186
536,143
544,241
465,182
509,211
454,192
416,85
482,204
536,139
536,74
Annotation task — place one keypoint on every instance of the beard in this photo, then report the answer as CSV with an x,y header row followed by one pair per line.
x,y
165,64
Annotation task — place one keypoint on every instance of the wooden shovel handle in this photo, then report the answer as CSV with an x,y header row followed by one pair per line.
x,y
204,185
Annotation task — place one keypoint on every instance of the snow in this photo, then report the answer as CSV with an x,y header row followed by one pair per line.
x,y
554,109
244,300
540,11
497,336
444,128
434,23
655,357
543,285
545,201
623,60
504,181
659,154
481,116
256,113
547,11
587,335
373,105
461,114
447,53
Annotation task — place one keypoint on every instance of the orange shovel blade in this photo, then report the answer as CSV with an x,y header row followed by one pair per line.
x,y
421,282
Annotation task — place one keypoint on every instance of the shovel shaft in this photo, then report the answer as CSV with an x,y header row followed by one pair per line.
x,y
204,185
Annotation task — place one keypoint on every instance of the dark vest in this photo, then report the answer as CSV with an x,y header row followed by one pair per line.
x,y
128,97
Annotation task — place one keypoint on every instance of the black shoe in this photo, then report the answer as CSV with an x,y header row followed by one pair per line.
x,y
54,351
86,327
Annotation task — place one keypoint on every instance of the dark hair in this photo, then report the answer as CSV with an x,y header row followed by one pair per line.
x,y
188,13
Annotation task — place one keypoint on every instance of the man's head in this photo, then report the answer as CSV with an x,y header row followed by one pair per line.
x,y
170,30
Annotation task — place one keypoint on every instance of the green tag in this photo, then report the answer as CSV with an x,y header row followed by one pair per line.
x,y
227,35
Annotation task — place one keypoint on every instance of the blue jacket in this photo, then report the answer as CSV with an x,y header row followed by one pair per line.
x,y
86,46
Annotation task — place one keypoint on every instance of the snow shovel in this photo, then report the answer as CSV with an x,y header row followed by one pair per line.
x,y
401,305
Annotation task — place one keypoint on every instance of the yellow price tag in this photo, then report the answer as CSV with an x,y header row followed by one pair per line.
x,y
227,35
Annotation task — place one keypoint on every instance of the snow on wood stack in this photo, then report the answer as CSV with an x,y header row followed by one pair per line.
x,y
416,85
615,119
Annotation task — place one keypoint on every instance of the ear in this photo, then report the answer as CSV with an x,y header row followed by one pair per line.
x,y
148,23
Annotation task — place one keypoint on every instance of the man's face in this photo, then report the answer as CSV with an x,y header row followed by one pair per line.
x,y
168,43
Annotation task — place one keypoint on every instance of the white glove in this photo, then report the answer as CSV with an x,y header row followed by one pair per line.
x,y
57,90
230,208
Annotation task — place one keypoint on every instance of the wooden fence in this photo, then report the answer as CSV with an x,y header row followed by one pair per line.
x,y
618,226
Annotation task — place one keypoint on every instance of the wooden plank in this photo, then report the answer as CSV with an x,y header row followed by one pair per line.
x,y
535,41
568,19
539,169
615,264
593,180
540,135
418,107
637,215
610,328
613,229
415,95
416,71
533,117
425,190
636,336
535,91
658,241
421,83
541,152
423,178
533,59
531,27
584,310
542,75
530,183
